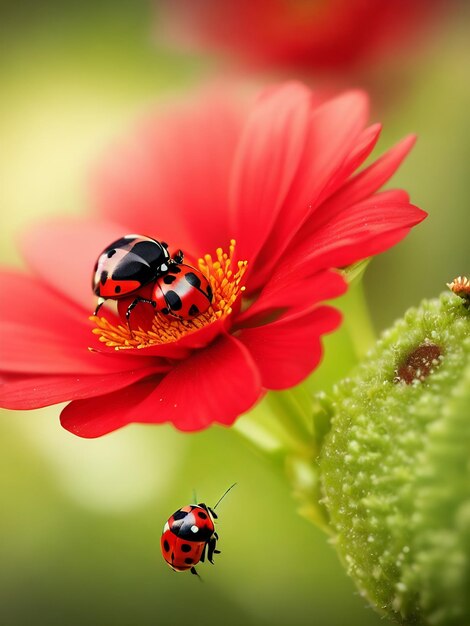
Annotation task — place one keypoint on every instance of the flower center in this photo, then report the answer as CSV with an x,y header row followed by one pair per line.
x,y
225,281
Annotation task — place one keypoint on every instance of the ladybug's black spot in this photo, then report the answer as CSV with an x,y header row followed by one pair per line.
x,y
193,280
117,289
185,547
193,310
166,545
201,515
209,294
103,277
165,311
111,253
173,300
175,269
180,514
168,279
189,561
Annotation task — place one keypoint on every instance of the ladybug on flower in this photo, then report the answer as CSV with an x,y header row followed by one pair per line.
x,y
133,261
274,200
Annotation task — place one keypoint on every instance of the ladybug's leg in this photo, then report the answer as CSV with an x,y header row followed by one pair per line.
x,y
100,303
193,571
178,257
211,549
132,306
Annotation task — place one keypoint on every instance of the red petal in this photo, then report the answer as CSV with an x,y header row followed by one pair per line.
x,y
333,133
42,333
287,350
28,349
171,181
373,177
363,147
266,161
63,253
33,392
215,385
98,416
29,301
361,187
356,233
32,350
289,288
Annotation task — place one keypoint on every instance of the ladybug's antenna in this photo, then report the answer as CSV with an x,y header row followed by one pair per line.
x,y
223,496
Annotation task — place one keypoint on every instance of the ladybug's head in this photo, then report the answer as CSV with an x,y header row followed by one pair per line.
x,y
211,513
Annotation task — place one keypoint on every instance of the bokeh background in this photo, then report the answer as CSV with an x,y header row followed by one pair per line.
x,y
81,520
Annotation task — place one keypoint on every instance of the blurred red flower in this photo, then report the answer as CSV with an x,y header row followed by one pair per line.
x,y
315,34
280,179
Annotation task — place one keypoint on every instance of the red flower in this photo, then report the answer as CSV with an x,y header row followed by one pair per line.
x,y
280,180
317,34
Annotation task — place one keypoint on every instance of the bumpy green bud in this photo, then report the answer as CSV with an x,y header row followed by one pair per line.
x,y
395,468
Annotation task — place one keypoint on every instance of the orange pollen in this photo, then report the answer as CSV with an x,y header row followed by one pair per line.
x,y
226,287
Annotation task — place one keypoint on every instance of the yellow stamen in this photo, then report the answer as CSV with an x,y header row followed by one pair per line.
x,y
226,287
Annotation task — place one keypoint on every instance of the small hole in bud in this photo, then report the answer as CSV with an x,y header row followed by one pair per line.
x,y
418,364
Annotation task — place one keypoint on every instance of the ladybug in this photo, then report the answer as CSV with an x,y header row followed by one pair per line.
x,y
183,292
128,264
188,534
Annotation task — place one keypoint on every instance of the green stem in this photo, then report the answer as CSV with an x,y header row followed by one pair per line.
x,y
281,429
357,321
288,427
278,425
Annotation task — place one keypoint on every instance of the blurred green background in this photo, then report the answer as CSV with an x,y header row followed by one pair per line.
x,y
81,520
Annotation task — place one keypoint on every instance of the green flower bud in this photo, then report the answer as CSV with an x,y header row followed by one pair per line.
x,y
395,468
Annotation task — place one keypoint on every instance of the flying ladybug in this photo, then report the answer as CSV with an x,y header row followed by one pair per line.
x,y
188,534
